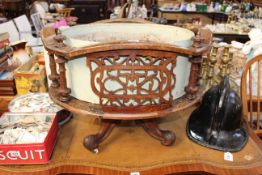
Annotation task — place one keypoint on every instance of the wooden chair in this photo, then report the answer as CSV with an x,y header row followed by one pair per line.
x,y
65,12
65,2
251,91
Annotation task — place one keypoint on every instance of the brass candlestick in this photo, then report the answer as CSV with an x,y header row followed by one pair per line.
x,y
224,65
211,66
229,18
231,55
204,69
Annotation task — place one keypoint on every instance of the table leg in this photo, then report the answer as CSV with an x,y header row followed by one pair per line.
x,y
166,137
92,142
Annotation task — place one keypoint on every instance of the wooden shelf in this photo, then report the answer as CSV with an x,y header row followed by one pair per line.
x,y
129,149
257,2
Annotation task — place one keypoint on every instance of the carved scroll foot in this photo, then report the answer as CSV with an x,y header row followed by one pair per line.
x,y
166,137
92,142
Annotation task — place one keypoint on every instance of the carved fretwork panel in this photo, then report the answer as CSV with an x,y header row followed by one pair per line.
x,y
133,80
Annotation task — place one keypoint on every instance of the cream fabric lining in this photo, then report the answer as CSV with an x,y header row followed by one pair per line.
x,y
90,34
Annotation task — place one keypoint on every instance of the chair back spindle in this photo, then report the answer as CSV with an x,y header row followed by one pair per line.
x,y
251,93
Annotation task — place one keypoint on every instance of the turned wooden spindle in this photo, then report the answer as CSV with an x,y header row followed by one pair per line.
x,y
63,90
53,76
192,86
59,40
197,40
196,61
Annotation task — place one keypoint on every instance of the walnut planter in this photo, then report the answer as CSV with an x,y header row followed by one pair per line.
x,y
124,71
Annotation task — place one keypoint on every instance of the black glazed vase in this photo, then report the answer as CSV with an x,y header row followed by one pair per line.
x,y
217,122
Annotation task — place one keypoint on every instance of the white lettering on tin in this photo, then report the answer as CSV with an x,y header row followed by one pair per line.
x,y
23,158
2,157
15,155
32,155
40,153
12,155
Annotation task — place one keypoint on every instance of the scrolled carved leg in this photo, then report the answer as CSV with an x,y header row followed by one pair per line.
x,y
166,137
92,142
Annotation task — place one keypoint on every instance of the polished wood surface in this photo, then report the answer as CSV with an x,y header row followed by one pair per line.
x,y
128,152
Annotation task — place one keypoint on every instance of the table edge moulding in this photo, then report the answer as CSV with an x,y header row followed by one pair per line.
x,y
64,161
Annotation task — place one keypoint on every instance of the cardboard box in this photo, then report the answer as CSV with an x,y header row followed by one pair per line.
x,y
32,153
29,80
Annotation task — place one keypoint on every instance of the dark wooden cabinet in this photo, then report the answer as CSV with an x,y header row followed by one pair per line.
x,y
89,10
14,8
257,2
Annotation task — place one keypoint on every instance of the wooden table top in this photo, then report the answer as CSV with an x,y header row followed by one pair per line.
x,y
129,149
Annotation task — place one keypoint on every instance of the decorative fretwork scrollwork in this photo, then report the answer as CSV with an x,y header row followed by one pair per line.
x,y
127,80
